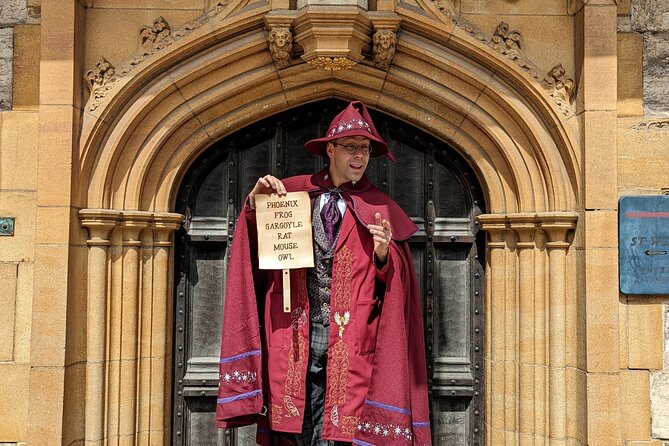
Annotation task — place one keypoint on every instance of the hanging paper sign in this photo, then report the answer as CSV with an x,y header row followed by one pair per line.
x,y
284,231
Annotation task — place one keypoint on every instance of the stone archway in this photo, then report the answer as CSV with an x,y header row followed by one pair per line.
x,y
142,134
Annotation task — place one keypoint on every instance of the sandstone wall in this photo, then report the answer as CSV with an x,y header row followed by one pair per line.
x,y
18,184
643,168
19,82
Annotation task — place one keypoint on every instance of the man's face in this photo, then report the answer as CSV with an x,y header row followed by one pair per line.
x,y
345,166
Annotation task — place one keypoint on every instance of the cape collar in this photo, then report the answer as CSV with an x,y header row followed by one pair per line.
x,y
362,198
324,184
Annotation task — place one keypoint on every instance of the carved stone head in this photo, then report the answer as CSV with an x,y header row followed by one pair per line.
x,y
384,39
502,30
514,40
103,65
160,24
281,37
146,33
557,72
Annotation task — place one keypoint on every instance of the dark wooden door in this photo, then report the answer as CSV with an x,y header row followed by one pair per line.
x,y
429,180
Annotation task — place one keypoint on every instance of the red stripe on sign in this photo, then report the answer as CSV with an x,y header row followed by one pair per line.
x,y
647,214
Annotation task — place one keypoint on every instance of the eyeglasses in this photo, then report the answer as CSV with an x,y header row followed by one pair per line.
x,y
365,149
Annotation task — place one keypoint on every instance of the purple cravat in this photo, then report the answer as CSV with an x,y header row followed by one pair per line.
x,y
331,218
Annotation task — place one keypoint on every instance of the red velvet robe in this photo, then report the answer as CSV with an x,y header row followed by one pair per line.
x,y
376,379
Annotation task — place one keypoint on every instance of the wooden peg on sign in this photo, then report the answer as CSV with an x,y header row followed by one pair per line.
x,y
286,291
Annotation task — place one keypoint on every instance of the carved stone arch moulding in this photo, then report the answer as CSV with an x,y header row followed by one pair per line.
x,y
221,76
329,38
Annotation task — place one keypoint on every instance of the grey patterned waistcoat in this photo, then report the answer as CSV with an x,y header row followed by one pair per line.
x,y
319,278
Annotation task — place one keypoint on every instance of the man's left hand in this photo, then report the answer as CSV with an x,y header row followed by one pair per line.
x,y
382,236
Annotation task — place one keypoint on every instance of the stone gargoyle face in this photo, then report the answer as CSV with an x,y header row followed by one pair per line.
x,y
384,40
280,37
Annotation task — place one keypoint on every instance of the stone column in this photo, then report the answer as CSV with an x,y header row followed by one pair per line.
x,y
541,338
557,243
525,228
99,224
525,316
510,299
128,286
495,227
163,226
114,332
132,224
129,401
145,340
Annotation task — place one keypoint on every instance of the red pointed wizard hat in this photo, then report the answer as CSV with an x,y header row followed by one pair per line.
x,y
353,121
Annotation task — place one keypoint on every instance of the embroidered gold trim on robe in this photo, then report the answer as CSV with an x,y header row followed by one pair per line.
x,y
275,412
338,373
295,363
349,424
298,345
343,265
341,302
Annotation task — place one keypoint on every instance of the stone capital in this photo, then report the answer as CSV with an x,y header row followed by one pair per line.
x,y
133,223
385,20
525,228
332,37
601,2
279,19
99,223
558,226
495,226
163,225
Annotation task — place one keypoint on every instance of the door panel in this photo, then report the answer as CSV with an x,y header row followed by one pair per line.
x,y
255,161
450,196
201,423
405,179
451,421
451,307
296,133
212,197
207,271
430,181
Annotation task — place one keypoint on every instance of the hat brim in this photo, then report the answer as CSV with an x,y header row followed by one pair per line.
x,y
379,147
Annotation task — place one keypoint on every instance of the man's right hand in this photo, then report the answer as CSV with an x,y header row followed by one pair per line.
x,y
266,185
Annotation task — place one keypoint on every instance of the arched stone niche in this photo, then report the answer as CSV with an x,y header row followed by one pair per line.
x,y
144,132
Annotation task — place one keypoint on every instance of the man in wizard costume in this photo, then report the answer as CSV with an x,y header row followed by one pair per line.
x,y
347,364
